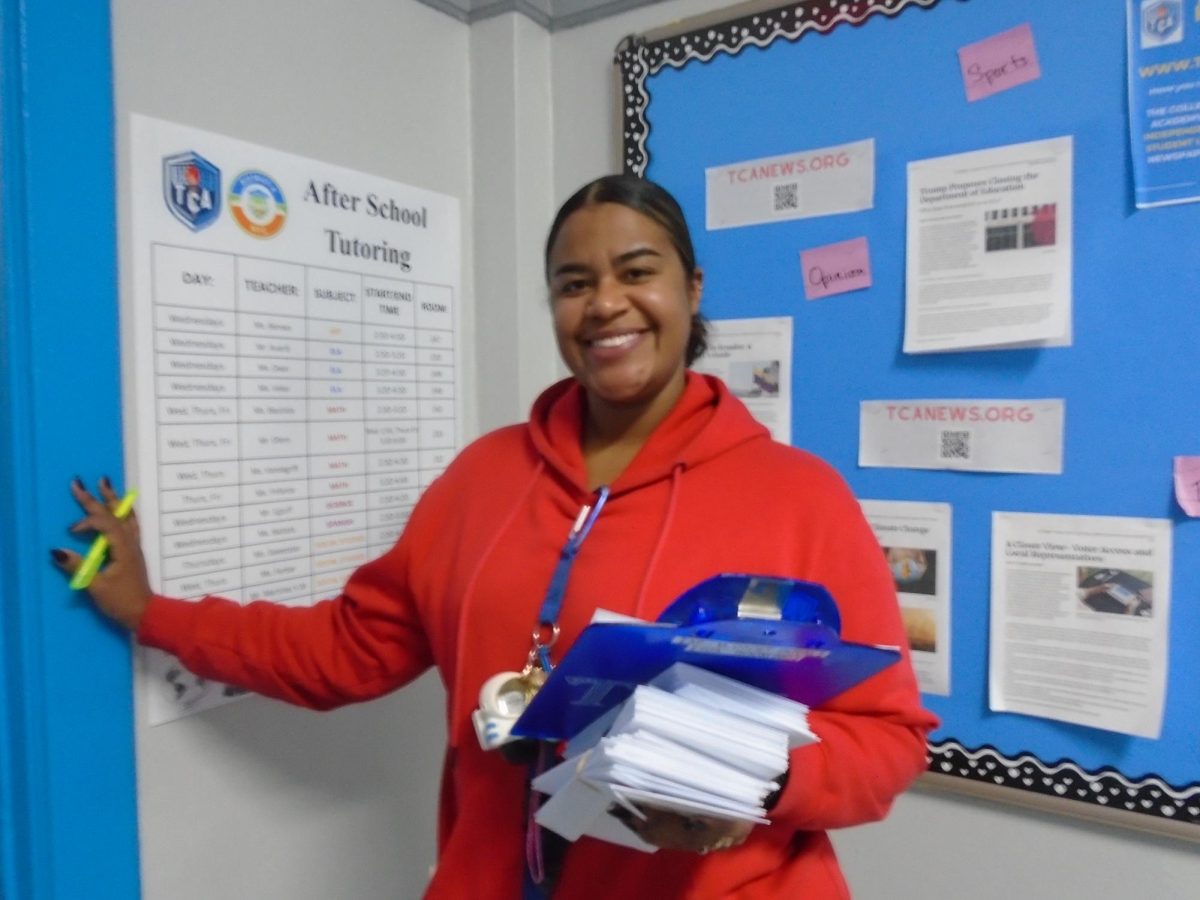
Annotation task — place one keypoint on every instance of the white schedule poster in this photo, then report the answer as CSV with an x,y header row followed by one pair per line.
x,y
754,358
1080,618
916,541
292,377
989,249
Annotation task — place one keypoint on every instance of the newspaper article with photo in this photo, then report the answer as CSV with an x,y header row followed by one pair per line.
x,y
989,249
754,358
915,538
1079,619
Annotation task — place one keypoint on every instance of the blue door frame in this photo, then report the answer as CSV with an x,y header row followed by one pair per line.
x,y
68,811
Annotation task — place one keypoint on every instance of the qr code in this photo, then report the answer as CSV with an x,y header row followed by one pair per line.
x,y
955,445
787,196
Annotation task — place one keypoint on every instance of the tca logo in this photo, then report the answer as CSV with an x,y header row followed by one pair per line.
x,y
191,188
1162,22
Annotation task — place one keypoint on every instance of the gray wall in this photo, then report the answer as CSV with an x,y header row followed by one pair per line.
x,y
257,799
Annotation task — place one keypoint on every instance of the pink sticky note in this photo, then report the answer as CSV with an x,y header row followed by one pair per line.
x,y
1187,483
999,62
836,268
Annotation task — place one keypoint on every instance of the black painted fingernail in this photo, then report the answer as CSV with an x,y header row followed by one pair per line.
x,y
622,815
104,481
78,482
59,556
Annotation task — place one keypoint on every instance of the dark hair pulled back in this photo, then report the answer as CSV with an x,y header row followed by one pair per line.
x,y
654,202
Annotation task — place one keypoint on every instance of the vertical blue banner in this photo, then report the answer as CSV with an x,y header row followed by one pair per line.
x,y
1164,100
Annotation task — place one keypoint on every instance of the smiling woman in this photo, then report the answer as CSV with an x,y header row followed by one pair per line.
x,y
675,482
625,292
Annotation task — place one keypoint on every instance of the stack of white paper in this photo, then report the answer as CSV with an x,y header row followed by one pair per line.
x,y
692,742
744,700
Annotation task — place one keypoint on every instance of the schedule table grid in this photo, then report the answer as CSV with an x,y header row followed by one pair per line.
x,y
300,410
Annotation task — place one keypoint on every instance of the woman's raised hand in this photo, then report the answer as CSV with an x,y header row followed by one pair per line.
x,y
120,590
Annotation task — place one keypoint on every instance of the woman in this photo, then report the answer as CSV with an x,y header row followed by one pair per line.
x,y
696,487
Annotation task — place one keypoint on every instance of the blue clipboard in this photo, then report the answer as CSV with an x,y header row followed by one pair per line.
x,y
778,634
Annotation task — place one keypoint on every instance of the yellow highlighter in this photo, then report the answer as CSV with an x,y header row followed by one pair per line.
x,y
95,556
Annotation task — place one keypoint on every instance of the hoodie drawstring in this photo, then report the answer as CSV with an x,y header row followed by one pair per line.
x,y
461,638
672,498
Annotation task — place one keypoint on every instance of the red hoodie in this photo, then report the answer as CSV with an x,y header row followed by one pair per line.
x,y
708,493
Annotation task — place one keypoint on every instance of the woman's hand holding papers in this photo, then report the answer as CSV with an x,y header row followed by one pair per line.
x,y
691,834
676,766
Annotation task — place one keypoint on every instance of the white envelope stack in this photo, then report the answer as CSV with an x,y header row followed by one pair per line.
x,y
691,741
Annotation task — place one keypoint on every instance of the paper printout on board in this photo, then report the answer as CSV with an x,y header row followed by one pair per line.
x,y
820,181
915,538
968,435
1163,60
989,249
1080,614
754,358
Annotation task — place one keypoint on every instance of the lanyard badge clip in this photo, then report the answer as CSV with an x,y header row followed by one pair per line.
x,y
505,695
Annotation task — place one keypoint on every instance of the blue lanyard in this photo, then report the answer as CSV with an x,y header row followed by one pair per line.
x,y
535,884
552,604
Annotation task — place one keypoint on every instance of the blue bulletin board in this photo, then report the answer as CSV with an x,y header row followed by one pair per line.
x,y
816,74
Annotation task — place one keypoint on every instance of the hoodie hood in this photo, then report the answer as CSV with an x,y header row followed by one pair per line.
x,y
705,422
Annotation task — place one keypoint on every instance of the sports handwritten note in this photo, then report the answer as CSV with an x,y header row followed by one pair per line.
x,y
836,268
999,62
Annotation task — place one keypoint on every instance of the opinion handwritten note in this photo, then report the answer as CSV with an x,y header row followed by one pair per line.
x,y
999,62
836,268
1187,483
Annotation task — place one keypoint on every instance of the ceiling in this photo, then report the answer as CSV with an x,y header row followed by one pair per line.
x,y
553,15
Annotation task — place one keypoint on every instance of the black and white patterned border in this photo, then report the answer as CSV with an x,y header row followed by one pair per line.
x,y
1105,788
639,59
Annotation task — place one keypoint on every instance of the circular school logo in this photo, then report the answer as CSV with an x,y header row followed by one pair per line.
x,y
1162,22
257,204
